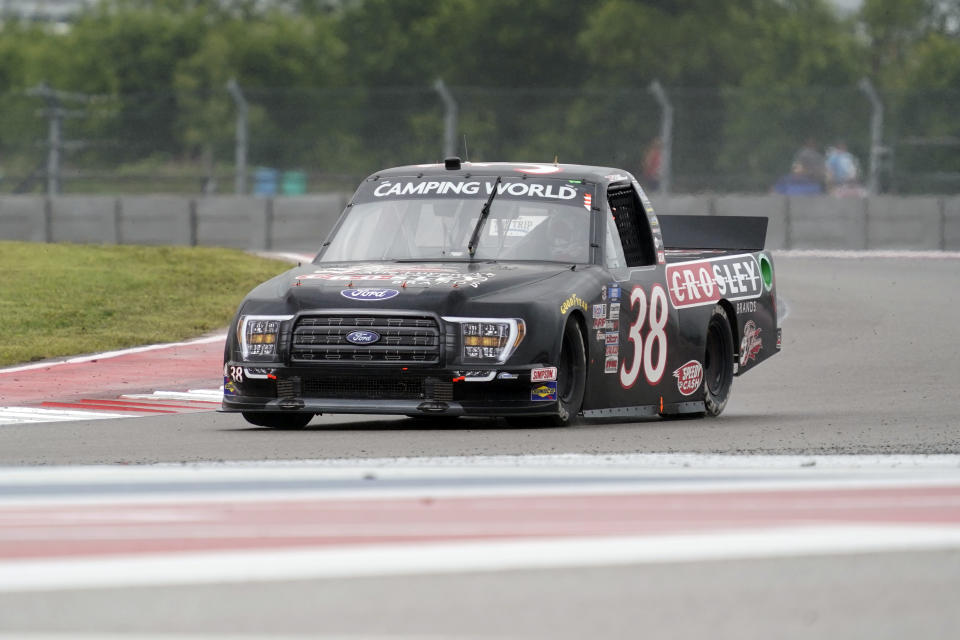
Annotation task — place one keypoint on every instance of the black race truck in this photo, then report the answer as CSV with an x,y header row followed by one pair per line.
x,y
538,293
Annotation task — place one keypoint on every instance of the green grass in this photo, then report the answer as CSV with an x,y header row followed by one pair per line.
x,y
68,299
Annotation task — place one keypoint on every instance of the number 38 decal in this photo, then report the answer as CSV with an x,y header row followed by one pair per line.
x,y
649,346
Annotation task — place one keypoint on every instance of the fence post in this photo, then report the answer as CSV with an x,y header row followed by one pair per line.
x,y
118,221
876,135
240,152
449,118
666,135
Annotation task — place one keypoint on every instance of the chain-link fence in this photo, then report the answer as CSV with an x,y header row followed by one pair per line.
x,y
295,140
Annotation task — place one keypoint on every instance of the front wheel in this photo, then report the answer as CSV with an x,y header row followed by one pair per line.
x,y
571,382
286,421
718,362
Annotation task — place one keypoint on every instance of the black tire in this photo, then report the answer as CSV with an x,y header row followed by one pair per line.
x,y
286,421
717,362
571,382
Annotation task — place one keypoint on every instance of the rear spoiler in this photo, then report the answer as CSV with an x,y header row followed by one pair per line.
x,y
731,233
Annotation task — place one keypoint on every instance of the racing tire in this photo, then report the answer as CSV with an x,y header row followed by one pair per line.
x,y
718,362
285,421
571,382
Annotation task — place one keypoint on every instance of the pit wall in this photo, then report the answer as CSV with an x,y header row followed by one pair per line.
x,y
302,223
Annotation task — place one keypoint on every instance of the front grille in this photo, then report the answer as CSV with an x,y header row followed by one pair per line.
x,y
405,387
321,339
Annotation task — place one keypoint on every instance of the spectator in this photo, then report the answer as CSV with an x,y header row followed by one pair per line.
x,y
842,167
811,162
652,165
798,183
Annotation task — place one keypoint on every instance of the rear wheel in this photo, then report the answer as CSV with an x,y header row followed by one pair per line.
x,y
278,420
571,382
718,362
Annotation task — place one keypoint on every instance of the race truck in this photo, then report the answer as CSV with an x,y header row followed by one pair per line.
x,y
537,293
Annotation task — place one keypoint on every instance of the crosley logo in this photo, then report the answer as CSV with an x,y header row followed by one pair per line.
x,y
751,344
369,294
573,301
701,282
689,376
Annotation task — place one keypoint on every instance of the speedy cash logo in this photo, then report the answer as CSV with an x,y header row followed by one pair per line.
x,y
701,282
689,376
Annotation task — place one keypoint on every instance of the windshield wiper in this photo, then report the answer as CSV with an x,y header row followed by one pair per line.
x,y
484,214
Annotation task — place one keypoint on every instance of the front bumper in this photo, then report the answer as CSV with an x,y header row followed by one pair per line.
x,y
413,392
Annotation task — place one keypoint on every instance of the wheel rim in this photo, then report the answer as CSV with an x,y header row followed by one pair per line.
x,y
714,370
565,373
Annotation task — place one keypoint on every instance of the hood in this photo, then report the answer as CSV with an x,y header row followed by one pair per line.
x,y
436,286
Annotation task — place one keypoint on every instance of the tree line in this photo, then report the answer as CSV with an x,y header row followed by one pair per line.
x,y
344,86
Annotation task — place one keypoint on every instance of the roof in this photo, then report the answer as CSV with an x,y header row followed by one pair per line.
x,y
601,175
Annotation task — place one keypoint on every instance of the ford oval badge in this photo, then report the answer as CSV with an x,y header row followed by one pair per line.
x,y
369,294
363,337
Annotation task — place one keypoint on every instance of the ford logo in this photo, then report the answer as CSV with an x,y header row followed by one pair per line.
x,y
363,337
369,294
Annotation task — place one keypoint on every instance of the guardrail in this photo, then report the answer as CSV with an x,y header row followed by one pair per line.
x,y
302,223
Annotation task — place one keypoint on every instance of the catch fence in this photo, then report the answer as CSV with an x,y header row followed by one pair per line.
x,y
296,140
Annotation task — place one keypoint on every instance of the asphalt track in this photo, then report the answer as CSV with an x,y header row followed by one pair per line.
x,y
812,545
870,364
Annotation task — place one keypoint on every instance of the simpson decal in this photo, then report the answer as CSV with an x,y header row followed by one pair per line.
x,y
614,310
689,377
573,301
545,374
751,344
701,282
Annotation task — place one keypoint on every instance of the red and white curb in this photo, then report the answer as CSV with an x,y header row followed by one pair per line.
x,y
96,527
125,406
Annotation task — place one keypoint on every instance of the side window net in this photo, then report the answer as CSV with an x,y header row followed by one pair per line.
x,y
632,226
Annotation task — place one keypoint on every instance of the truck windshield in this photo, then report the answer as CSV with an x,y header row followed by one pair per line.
x,y
428,219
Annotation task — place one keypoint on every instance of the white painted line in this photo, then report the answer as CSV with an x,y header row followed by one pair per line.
x,y
486,477
114,354
894,254
20,415
461,557
205,395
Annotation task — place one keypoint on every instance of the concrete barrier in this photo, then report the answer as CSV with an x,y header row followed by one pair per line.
x,y
89,219
302,223
822,222
903,223
23,218
157,220
950,225
231,221
681,205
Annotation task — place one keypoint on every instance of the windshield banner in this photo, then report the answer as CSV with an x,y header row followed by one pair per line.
x,y
557,190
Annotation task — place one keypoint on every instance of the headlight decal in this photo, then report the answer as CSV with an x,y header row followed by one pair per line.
x,y
259,336
488,340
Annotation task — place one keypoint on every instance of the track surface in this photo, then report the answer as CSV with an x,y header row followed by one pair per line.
x,y
869,366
